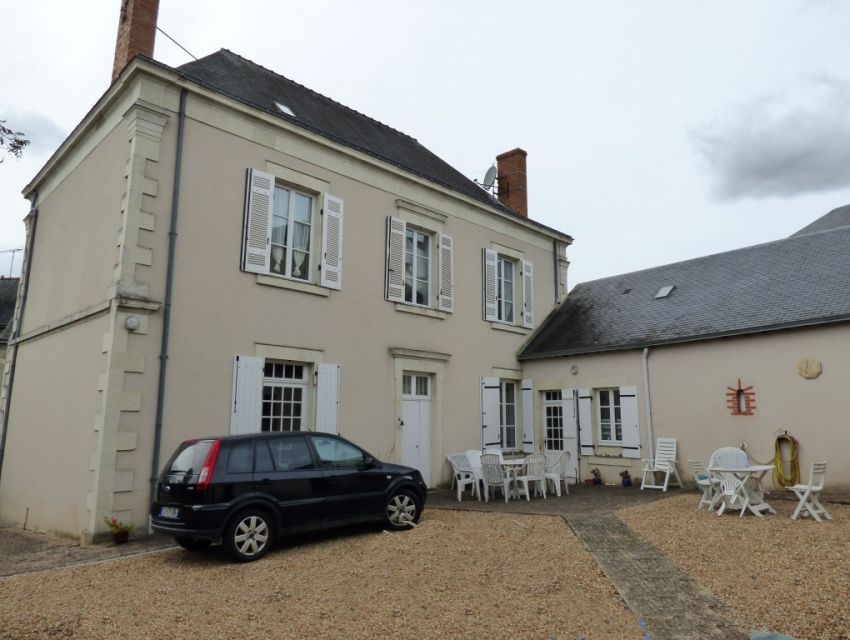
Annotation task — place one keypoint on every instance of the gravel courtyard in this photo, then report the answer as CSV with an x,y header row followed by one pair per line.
x,y
457,575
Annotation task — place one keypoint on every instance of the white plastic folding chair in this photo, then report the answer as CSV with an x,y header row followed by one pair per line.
x,y
494,475
733,495
532,471
703,482
809,494
556,470
663,462
463,475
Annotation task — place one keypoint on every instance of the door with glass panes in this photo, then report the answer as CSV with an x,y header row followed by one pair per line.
x,y
416,422
560,432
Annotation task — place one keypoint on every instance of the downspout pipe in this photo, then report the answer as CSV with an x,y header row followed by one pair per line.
x,y
648,407
169,284
25,273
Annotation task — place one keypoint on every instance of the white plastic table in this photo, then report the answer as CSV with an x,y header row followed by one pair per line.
x,y
512,466
751,477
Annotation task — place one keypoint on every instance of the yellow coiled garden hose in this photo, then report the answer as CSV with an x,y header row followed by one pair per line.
x,y
792,463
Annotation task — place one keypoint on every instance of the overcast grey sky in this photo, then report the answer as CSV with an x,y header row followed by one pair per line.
x,y
656,131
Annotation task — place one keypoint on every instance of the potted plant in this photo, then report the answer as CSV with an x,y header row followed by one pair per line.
x,y
120,531
627,479
597,476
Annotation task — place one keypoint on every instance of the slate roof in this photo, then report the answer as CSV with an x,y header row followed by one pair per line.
x,y
798,281
236,77
8,294
836,218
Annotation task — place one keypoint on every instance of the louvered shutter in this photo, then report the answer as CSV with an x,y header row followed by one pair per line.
x,y
256,236
491,431
527,416
396,229
585,422
631,423
488,295
447,275
569,411
332,243
527,294
246,401
327,397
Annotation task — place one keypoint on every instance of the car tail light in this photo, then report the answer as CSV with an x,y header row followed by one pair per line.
x,y
205,476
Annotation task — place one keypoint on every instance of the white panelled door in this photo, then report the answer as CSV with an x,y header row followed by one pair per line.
x,y
416,423
569,400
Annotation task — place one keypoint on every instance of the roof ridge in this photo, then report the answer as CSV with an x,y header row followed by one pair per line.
x,y
321,95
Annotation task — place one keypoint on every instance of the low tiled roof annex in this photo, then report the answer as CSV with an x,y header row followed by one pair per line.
x,y
236,77
798,281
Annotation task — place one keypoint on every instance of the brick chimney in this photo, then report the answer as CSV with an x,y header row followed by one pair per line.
x,y
513,183
136,32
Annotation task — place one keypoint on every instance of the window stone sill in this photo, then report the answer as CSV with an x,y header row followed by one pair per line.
x,y
285,283
421,311
510,328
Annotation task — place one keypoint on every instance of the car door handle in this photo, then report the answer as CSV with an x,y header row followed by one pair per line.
x,y
265,481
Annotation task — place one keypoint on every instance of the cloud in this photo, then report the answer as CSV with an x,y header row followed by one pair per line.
x,y
44,134
785,144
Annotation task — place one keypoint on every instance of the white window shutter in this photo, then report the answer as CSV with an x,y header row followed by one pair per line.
x,y
527,294
527,416
585,422
447,274
256,234
631,423
569,411
491,430
332,242
327,397
247,399
490,258
396,229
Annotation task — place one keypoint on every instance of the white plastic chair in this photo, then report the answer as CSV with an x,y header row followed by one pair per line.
x,y
556,470
494,476
733,495
463,475
663,462
729,457
533,472
474,457
703,482
809,494
494,452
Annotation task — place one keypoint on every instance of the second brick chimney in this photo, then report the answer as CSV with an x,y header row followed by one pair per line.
x,y
136,32
513,183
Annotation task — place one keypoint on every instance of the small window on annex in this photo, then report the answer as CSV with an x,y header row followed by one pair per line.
x,y
609,416
285,389
553,416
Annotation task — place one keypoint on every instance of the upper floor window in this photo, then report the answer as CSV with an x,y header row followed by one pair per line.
x,y
286,235
508,288
417,267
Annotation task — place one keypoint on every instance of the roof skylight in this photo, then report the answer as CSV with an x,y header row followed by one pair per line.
x,y
663,292
284,108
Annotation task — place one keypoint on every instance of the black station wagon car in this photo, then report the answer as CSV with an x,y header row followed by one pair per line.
x,y
249,490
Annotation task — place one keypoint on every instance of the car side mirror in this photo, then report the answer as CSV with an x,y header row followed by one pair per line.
x,y
368,462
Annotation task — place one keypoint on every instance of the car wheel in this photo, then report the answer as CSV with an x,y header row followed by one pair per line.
x,y
249,535
192,544
402,511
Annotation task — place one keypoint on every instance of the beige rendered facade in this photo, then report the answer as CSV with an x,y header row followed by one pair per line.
x,y
402,379
689,385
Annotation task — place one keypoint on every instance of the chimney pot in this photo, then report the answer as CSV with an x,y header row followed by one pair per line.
x,y
513,181
136,32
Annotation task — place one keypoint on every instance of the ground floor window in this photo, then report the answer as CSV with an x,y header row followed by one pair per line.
x,y
284,396
507,413
610,416
553,416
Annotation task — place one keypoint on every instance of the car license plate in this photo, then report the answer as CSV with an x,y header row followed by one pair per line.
x,y
169,512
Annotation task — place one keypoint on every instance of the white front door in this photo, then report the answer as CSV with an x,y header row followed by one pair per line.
x,y
560,426
416,423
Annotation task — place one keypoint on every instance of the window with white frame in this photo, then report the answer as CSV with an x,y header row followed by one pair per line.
x,y
505,270
417,267
415,386
553,416
507,413
286,234
285,388
508,287
609,416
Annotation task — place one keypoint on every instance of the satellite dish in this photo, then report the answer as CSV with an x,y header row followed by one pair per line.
x,y
490,177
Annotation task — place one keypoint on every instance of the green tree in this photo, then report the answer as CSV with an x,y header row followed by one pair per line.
x,y
12,142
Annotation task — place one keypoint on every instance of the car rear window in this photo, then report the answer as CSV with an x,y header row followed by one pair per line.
x,y
189,458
